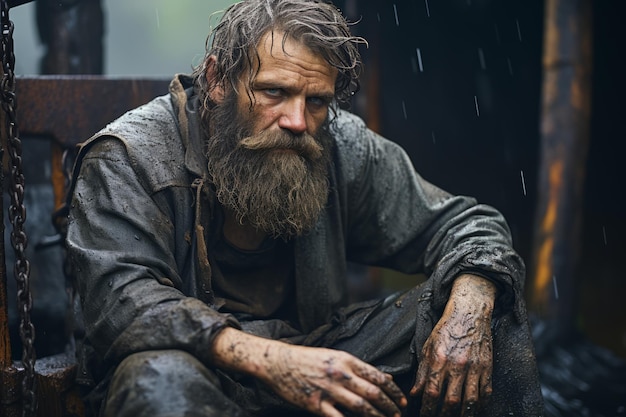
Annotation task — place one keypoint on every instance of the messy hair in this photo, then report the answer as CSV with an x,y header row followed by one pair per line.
x,y
317,24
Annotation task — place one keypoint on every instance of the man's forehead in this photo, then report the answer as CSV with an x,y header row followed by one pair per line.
x,y
279,53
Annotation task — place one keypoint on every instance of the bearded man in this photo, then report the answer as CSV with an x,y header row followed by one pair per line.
x,y
211,228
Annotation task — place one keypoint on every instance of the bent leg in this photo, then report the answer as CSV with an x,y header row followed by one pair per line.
x,y
390,334
166,383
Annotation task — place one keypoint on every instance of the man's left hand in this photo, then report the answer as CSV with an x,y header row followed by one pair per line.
x,y
454,374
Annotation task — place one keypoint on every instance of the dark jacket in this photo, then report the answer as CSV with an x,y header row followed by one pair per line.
x,y
141,205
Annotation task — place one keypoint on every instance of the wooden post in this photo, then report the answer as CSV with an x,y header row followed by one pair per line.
x,y
566,106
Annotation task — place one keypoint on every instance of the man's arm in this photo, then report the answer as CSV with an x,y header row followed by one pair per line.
x,y
398,220
122,246
456,360
322,381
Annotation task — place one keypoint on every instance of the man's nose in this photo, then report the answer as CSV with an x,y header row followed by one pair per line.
x,y
293,117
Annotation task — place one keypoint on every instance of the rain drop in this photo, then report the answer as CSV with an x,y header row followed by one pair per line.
x,y
481,58
556,288
378,17
419,59
523,182
476,104
395,12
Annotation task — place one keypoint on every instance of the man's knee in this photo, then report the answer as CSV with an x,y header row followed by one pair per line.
x,y
163,383
170,364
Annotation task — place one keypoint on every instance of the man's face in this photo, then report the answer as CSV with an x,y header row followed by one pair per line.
x,y
292,89
268,161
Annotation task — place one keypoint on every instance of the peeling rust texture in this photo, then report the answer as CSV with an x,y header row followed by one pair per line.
x,y
72,108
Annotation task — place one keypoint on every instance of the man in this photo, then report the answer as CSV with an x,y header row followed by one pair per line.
x,y
210,231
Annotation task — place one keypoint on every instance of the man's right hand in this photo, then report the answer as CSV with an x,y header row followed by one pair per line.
x,y
321,381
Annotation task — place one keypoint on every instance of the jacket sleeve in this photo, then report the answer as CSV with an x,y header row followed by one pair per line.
x,y
398,220
121,244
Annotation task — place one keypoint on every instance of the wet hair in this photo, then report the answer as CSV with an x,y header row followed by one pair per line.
x,y
317,24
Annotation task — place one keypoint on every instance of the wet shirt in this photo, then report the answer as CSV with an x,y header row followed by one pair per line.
x,y
257,283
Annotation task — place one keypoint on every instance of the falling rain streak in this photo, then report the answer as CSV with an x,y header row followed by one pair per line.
x,y
523,182
497,33
556,288
433,135
604,234
508,61
419,59
481,58
427,8
519,32
404,109
395,12
476,104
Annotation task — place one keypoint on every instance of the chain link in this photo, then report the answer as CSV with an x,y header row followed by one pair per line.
x,y
17,212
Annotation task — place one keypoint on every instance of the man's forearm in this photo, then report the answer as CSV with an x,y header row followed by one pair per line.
x,y
473,294
242,352
315,379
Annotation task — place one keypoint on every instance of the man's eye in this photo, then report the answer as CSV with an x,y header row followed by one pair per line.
x,y
317,101
274,92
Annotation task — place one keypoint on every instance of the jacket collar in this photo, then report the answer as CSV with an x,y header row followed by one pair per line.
x,y
186,105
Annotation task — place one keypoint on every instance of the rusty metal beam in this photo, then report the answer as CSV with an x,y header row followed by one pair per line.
x,y
565,120
72,108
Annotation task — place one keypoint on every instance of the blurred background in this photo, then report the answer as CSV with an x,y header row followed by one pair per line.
x,y
459,84
141,37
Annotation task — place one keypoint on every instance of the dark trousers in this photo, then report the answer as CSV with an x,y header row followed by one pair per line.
x,y
387,334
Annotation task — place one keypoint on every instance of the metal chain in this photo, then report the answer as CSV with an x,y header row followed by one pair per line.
x,y
17,213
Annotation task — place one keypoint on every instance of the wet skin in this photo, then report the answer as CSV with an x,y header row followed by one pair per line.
x,y
454,376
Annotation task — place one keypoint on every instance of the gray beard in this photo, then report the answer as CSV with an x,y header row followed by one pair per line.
x,y
280,193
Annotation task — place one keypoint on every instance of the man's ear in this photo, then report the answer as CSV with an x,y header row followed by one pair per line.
x,y
216,87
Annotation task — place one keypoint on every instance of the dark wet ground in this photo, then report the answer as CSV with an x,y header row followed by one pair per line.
x,y
578,378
